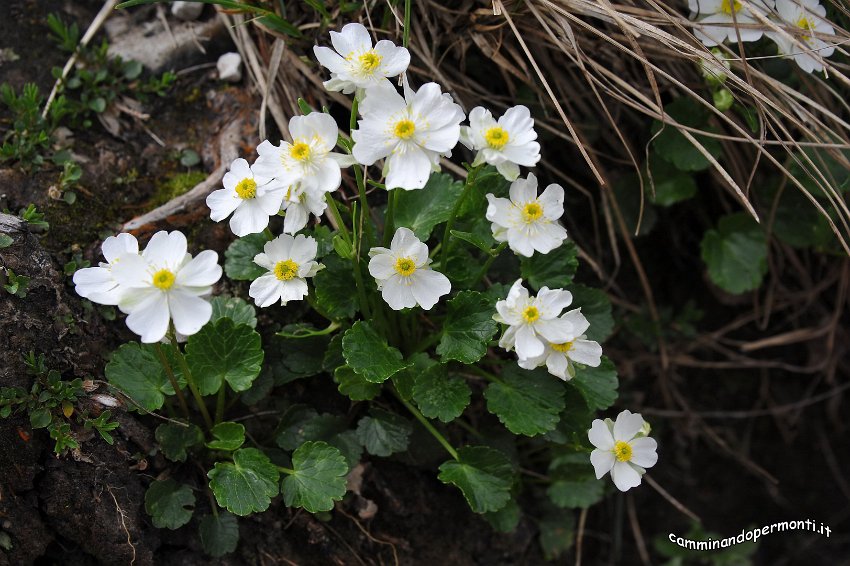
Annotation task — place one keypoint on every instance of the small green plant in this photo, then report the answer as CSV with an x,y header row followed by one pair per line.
x,y
32,216
28,140
13,283
51,404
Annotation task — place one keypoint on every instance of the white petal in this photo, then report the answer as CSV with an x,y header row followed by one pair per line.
x,y
556,330
524,190
202,271
644,452
428,286
115,246
556,364
265,290
578,320
394,59
250,218
528,345
552,301
166,250
586,352
382,266
222,203
600,435
625,477
189,312
132,271
627,425
603,461
397,294
149,318
330,60
408,169
293,290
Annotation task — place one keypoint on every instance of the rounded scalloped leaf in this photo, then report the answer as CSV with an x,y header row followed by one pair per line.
x,y
318,477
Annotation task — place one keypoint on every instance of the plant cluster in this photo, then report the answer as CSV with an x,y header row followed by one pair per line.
x,y
414,287
51,404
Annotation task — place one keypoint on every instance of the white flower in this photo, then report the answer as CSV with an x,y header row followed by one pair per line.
x,y
507,144
559,357
806,18
622,448
299,204
533,320
356,64
289,261
166,283
250,197
309,159
97,283
720,16
404,275
412,132
528,223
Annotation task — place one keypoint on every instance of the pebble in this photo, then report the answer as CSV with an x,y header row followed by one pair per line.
x,y
187,10
230,67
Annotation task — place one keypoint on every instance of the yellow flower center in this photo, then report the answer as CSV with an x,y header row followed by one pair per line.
x,y
729,7
623,451
285,270
530,314
532,211
163,279
300,151
369,61
246,188
405,129
806,24
496,137
563,348
405,266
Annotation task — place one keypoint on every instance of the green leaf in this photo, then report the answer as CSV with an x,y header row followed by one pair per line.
x,y
5,240
483,474
422,210
334,288
597,385
576,494
224,351
234,308
318,477
439,395
296,358
506,519
136,371
470,238
239,257
736,253
634,206
219,535
526,402
228,436
354,386
246,485
406,378
383,433
468,328
554,270
369,355
596,308
332,357
175,440
557,533
169,504
671,185
674,147
40,418
797,222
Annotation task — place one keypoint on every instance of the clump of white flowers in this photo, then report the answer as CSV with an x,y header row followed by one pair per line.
x,y
526,221
251,199
290,261
533,321
162,285
404,275
560,357
802,23
506,143
97,283
622,448
411,132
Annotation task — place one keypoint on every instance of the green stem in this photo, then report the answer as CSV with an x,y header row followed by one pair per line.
x,y
170,373
447,233
364,206
352,123
485,374
483,271
268,234
346,235
288,471
219,404
184,367
389,226
428,426
405,38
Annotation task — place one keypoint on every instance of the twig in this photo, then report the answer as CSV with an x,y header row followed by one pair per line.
x,y
672,500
